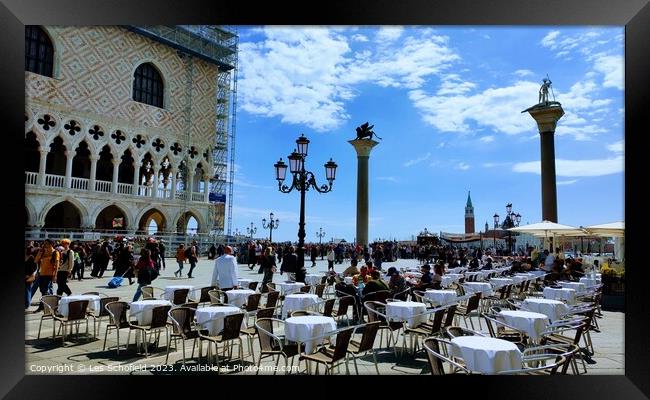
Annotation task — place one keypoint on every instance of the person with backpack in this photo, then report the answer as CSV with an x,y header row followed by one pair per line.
x,y
192,255
48,261
79,257
65,269
180,259
161,253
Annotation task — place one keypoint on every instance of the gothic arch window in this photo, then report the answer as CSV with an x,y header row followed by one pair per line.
x,y
39,52
148,85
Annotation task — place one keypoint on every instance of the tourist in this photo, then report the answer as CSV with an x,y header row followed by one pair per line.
x,y
124,263
180,259
474,264
313,254
375,284
426,280
549,261
352,269
100,260
488,264
65,269
161,249
252,260
48,261
224,274
290,264
212,251
439,271
30,274
330,258
145,271
193,257
268,266
378,256
397,283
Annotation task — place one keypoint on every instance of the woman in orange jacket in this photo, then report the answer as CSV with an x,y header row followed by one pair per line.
x,y
48,261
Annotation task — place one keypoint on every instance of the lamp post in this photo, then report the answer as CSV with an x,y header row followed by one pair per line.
x,y
273,223
320,235
251,231
512,220
494,232
302,181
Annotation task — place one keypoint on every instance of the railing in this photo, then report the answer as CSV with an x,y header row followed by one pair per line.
x,y
144,191
103,186
164,193
180,195
54,180
79,183
198,196
124,188
31,178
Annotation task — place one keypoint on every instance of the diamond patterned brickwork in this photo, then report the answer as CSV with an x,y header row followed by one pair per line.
x,y
94,82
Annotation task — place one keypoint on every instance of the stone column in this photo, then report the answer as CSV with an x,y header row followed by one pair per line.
x,y
93,172
154,184
116,173
190,185
136,178
546,115
41,167
68,168
172,180
363,148
206,196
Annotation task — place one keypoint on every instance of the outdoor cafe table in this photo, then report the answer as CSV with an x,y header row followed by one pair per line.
x,y
297,301
169,291
501,282
456,270
301,329
408,311
242,282
480,275
588,282
313,279
211,318
482,287
553,309
485,354
577,286
238,297
348,280
448,279
532,323
142,310
93,303
290,287
565,294
441,297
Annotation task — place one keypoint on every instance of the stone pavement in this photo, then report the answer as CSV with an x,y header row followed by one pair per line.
x,y
85,355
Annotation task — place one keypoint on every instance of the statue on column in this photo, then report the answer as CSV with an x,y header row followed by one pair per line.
x,y
543,91
365,131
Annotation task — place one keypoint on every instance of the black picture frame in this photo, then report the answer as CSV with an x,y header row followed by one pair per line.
x,y
634,14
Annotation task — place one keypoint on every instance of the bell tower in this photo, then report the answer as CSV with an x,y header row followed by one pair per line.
x,y
469,216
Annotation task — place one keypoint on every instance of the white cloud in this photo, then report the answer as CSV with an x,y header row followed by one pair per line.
x,y
612,68
617,147
549,39
487,139
452,84
571,182
359,38
387,178
441,145
574,168
389,33
410,163
306,75
524,73
496,164
462,166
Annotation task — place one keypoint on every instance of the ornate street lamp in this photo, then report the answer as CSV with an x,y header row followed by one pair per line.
x,y
494,232
251,231
512,220
273,223
302,180
320,235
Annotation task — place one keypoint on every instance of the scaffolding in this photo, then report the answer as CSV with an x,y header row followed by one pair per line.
x,y
218,45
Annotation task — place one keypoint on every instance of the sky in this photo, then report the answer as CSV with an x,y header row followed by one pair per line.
x,y
446,102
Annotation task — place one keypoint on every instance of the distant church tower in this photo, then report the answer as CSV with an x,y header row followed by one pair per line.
x,y
469,216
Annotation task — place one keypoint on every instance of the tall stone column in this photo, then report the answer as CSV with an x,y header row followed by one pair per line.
x,y
136,178
206,186
68,168
154,184
363,148
116,173
172,180
546,115
93,172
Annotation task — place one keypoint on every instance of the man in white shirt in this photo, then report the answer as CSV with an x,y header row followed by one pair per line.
x,y
225,271
548,262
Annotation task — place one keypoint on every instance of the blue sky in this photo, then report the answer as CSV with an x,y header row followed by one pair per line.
x,y
447,102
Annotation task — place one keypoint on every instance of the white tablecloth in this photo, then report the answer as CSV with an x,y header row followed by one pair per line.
x,y
448,279
457,270
568,295
238,297
501,282
406,311
532,323
313,279
93,303
441,297
483,287
169,291
142,310
348,280
480,275
590,282
242,282
301,329
553,309
297,301
290,287
486,355
211,318
580,288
